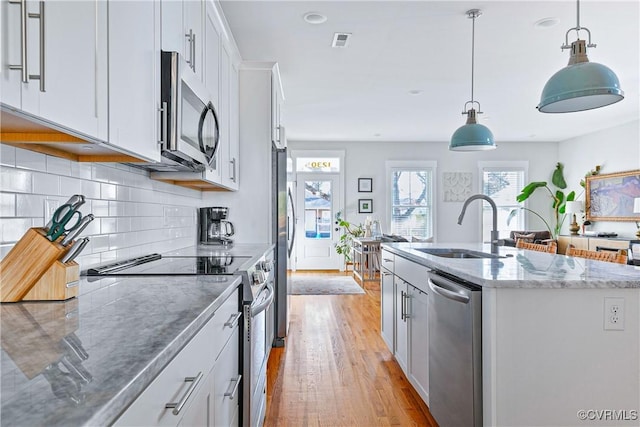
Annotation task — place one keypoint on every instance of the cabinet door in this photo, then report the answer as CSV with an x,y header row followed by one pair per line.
x,y
212,57
386,307
74,69
276,102
223,116
193,15
173,36
226,383
234,129
401,337
419,342
199,413
134,76
11,51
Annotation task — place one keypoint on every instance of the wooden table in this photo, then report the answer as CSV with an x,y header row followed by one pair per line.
x,y
366,258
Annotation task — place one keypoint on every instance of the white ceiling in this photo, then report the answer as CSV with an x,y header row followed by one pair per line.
x,y
362,92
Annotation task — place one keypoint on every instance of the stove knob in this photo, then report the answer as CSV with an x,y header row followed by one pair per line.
x,y
258,277
265,265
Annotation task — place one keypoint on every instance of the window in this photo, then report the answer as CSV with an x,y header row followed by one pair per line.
x,y
502,181
411,192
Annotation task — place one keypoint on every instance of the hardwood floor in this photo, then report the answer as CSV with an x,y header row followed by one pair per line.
x,y
335,370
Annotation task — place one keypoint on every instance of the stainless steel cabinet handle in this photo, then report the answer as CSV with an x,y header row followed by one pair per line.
x,y
189,37
233,169
233,320
402,305
232,394
40,76
23,40
193,51
387,260
407,299
177,406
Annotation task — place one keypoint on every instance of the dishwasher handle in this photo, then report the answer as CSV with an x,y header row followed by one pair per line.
x,y
449,289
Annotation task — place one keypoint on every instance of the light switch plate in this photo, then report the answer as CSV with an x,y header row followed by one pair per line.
x,y
50,206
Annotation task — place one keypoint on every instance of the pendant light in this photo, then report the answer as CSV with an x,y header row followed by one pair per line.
x,y
472,136
581,85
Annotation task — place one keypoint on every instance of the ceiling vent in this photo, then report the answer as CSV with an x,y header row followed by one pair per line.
x,y
341,39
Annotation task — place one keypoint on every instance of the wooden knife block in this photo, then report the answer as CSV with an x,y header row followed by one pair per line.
x,y
33,263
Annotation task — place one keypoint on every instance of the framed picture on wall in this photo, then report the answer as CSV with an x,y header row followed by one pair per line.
x,y
365,206
365,185
610,197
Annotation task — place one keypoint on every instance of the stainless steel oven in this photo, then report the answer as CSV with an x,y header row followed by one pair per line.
x,y
258,337
190,128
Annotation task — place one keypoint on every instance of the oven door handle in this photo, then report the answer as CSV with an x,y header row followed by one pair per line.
x,y
259,308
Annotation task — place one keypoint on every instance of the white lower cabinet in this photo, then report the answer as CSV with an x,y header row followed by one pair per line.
x,y
198,382
404,324
401,329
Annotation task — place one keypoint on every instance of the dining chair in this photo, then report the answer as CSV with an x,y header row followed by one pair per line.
x,y
619,256
551,247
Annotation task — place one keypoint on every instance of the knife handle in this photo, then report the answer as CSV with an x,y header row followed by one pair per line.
x,y
76,231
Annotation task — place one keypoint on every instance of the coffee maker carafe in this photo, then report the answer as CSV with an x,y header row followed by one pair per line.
x,y
214,229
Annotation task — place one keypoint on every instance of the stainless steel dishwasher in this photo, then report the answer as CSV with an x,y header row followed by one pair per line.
x,y
455,351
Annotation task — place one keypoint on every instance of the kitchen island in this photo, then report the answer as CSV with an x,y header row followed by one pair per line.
x,y
549,354
85,360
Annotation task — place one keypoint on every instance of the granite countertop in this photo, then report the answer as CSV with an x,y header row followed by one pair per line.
x,y
83,361
519,268
254,250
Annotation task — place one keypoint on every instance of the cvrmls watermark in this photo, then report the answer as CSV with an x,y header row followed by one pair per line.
x,y
608,414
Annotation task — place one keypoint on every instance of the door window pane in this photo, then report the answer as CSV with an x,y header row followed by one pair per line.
x,y
317,209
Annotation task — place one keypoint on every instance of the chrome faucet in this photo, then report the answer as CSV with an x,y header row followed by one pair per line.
x,y
494,233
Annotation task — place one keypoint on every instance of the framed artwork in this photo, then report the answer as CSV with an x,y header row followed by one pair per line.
x,y
609,197
365,205
365,185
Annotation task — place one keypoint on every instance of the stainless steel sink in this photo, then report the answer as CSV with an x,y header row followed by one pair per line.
x,y
457,253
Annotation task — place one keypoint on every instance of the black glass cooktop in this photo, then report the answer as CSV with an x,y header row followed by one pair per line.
x,y
156,265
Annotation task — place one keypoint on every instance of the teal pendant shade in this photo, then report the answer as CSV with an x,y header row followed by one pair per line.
x,y
579,87
472,136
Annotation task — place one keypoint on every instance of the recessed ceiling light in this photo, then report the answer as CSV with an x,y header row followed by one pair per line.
x,y
415,91
376,134
546,22
315,18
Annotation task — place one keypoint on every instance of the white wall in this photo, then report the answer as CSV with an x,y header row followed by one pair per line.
x,y
367,160
616,150
134,214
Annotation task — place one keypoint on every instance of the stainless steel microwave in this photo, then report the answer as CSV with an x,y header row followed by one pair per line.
x,y
190,128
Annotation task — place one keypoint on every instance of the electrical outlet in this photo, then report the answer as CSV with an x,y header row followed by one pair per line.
x,y
613,314
50,206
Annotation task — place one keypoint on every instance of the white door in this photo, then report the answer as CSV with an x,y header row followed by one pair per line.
x,y
318,197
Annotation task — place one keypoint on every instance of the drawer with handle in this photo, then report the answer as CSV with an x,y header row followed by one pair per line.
x,y
387,260
172,393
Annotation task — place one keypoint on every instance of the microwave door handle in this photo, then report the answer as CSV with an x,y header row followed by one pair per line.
x,y
208,108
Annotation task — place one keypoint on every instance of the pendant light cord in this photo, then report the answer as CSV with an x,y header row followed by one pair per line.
x,y
473,33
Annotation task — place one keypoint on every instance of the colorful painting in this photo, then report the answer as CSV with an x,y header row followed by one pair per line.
x,y
610,197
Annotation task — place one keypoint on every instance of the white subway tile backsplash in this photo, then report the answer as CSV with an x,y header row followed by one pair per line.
x,y
100,208
7,204
81,170
7,155
134,215
31,160
107,191
70,186
123,225
90,189
108,225
14,228
30,205
14,180
58,166
47,184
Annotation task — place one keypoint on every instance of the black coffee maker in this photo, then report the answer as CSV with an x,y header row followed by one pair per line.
x,y
213,227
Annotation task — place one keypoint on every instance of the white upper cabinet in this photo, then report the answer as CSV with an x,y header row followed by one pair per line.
x,y
212,43
183,31
277,99
134,77
54,63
